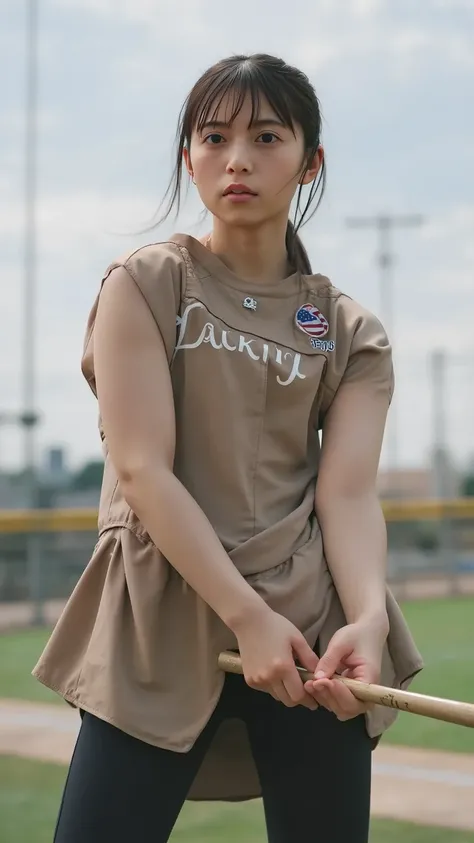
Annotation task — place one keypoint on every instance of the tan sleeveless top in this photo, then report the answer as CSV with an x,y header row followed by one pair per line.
x,y
254,369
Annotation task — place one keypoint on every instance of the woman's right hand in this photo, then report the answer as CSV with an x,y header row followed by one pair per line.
x,y
268,645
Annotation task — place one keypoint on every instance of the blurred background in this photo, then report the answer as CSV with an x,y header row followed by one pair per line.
x,y
89,101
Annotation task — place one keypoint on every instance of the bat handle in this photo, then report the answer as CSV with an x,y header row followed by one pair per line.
x,y
449,711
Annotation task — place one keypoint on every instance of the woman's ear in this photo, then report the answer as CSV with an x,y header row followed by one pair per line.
x,y
187,162
314,167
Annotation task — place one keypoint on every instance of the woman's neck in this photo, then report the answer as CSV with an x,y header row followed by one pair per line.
x,y
253,254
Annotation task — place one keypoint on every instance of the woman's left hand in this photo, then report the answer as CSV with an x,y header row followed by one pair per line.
x,y
354,651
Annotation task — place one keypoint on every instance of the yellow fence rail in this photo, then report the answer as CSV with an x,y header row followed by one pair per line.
x,y
48,521
85,520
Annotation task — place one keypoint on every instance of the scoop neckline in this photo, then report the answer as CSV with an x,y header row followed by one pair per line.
x,y
218,269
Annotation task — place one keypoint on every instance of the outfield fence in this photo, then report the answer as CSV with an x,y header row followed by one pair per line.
x,y
44,552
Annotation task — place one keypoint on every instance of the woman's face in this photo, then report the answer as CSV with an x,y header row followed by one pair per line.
x,y
247,174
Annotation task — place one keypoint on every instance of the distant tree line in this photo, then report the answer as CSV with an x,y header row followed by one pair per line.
x,y
467,486
88,477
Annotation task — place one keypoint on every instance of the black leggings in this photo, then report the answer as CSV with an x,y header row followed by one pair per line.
x,y
315,774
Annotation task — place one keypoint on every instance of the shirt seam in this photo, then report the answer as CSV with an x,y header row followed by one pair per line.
x,y
323,289
257,458
142,536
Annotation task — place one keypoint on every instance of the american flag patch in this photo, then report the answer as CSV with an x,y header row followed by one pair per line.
x,y
310,320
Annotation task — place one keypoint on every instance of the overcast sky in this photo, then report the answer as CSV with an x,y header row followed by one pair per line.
x,y
396,83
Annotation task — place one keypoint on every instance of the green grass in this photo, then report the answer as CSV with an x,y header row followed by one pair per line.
x,y
30,794
443,630
19,652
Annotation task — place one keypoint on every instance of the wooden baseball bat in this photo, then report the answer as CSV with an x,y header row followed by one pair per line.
x,y
451,711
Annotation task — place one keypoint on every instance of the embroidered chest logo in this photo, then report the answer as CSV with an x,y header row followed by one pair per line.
x,y
220,338
312,322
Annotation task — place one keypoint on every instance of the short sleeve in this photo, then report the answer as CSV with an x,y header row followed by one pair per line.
x,y
362,354
159,271
370,357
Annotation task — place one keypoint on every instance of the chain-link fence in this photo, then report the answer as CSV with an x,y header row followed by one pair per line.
x,y
42,556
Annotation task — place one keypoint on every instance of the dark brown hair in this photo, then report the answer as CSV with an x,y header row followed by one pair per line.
x,y
293,99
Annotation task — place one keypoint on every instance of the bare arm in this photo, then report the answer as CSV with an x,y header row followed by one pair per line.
x,y
347,503
355,540
137,409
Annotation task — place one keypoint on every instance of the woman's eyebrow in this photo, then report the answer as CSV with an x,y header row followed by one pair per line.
x,y
262,121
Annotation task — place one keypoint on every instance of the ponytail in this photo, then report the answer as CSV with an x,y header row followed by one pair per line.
x,y
297,254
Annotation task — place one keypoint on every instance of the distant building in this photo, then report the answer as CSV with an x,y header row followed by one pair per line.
x,y
54,472
440,480
406,483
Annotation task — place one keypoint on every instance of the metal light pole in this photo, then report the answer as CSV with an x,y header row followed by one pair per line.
x,y
384,225
28,417
447,550
439,416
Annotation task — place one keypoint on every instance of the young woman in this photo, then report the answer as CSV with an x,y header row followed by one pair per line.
x,y
223,523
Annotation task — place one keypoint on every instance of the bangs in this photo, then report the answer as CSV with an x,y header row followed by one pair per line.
x,y
232,87
262,80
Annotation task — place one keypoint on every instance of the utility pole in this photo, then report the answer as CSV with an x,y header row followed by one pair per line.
x,y
438,410
441,466
384,225
28,417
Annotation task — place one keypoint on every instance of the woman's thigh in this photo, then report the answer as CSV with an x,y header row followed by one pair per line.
x,y
121,789
315,773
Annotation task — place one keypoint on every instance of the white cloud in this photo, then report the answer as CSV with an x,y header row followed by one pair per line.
x,y
161,18
352,28
394,80
365,8
457,221
451,5
394,41
12,120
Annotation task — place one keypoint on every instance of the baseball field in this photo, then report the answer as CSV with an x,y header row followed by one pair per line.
x,y
30,789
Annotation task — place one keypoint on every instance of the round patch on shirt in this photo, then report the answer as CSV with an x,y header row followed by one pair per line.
x,y
310,320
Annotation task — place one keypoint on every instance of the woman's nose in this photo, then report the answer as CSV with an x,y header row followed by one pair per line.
x,y
239,160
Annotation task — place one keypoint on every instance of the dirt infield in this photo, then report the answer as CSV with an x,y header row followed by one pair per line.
x,y
432,788
20,615
432,587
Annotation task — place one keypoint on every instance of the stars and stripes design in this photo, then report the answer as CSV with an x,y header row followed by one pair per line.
x,y
310,320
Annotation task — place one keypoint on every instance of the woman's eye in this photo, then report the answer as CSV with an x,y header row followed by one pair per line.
x,y
214,139
267,137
